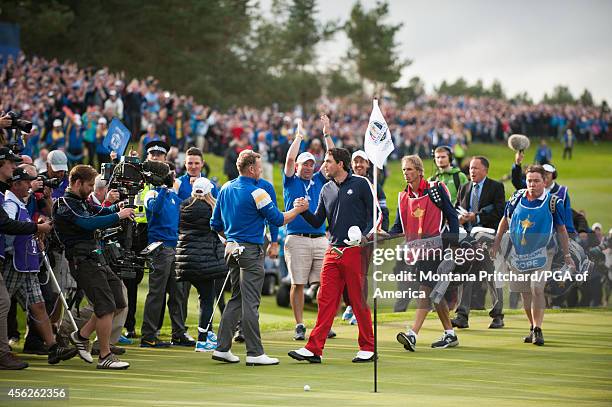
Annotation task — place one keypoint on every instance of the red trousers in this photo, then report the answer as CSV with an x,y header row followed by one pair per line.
x,y
336,273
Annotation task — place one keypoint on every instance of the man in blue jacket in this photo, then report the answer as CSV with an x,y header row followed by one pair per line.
x,y
162,206
242,209
194,164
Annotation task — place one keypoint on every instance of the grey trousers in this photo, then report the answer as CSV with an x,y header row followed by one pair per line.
x,y
5,305
247,276
162,278
497,294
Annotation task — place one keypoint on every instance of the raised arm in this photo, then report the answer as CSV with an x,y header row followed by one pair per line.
x,y
293,151
329,143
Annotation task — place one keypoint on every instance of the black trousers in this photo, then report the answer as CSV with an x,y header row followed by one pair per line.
x,y
132,289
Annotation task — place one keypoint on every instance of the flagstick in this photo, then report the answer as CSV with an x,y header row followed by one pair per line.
x,y
374,206
377,147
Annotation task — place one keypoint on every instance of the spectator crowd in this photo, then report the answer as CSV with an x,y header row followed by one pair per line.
x,y
71,108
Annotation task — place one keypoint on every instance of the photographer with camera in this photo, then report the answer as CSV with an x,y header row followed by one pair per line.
x,y
51,184
22,264
76,221
156,151
56,176
101,195
39,206
8,163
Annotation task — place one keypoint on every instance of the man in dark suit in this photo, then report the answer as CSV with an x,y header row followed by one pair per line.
x,y
484,199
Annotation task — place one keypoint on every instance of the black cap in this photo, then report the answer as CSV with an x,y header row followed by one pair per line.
x,y
20,174
7,154
157,145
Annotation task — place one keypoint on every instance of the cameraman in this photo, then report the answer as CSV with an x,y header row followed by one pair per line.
x,y
57,167
156,151
76,221
101,195
53,183
22,264
8,163
39,202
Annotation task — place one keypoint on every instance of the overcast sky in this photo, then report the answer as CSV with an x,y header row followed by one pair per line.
x,y
528,45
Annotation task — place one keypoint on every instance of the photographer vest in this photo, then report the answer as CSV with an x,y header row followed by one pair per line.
x,y
140,215
25,249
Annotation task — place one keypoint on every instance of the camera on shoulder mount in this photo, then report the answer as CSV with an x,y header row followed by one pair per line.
x,y
130,175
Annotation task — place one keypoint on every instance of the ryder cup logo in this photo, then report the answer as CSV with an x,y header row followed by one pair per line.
x,y
377,132
115,141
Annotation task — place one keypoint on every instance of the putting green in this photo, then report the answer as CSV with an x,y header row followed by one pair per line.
x,y
490,367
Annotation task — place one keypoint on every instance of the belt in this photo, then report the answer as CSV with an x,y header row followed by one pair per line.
x,y
310,235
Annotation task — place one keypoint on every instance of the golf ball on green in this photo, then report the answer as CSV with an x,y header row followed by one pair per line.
x,y
306,387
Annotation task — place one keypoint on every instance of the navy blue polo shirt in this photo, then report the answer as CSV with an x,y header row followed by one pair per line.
x,y
343,205
294,187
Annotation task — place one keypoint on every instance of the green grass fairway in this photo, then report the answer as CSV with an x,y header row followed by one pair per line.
x,y
488,368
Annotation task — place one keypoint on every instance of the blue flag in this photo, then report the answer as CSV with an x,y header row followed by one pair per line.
x,y
117,138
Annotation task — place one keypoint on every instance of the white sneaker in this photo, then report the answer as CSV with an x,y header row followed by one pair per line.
x,y
347,314
112,362
261,360
82,346
304,352
227,357
363,356
353,320
205,346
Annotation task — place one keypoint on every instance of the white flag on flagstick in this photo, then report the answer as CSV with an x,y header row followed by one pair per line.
x,y
378,143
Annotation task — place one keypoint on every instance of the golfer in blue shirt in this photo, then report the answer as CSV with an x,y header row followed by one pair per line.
x,y
240,214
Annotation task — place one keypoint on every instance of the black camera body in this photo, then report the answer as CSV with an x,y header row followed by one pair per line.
x,y
125,263
18,123
129,176
52,183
